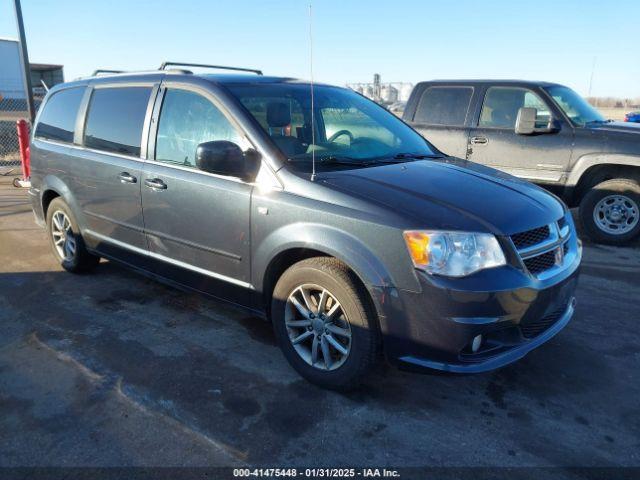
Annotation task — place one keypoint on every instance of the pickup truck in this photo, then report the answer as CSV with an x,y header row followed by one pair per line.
x,y
542,132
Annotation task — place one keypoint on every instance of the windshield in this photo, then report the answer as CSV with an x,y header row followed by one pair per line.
x,y
574,106
348,127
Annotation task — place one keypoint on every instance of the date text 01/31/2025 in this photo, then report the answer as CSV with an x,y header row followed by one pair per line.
x,y
316,472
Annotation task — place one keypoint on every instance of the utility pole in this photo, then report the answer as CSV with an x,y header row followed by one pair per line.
x,y
24,59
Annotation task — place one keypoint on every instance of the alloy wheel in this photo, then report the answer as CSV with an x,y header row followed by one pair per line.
x,y
318,327
64,240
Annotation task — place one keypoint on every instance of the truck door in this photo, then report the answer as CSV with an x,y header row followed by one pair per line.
x,y
541,157
441,117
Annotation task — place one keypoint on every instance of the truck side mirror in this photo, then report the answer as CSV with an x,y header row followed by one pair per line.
x,y
553,125
526,121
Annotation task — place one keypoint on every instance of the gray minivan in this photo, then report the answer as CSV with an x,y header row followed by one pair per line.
x,y
310,205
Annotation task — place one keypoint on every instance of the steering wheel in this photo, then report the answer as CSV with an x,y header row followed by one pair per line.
x,y
339,133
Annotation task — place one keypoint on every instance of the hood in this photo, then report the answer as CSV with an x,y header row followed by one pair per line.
x,y
617,137
618,127
451,194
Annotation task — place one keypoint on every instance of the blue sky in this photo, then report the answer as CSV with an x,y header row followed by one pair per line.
x,y
403,40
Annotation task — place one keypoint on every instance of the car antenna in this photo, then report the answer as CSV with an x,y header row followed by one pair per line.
x,y
313,122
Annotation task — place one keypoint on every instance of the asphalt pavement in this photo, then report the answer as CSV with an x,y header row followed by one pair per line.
x,y
114,369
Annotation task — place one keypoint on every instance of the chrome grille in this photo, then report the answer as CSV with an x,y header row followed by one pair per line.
x,y
540,263
530,237
543,248
562,223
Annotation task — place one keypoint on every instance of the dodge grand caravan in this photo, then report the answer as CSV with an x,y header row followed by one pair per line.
x,y
312,206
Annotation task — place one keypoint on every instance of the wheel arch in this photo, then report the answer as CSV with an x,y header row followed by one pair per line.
x,y
590,170
47,197
53,187
285,247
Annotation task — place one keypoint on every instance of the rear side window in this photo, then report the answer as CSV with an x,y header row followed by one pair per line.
x,y
58,118
444,106
115,119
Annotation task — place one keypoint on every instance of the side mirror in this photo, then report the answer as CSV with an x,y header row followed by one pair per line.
x,y
526,121
553,125
226,158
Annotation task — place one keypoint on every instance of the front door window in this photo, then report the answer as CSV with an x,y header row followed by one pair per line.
x,y
188,119
501,105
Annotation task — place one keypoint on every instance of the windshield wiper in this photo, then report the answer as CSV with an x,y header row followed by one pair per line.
x,y
340,160
416,156
332,159
345,160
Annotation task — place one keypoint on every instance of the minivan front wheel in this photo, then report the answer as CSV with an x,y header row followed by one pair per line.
x,y
318,327
324,323
65,239
610,211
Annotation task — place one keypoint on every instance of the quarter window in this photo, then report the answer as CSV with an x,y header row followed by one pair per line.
x,y
116,118
501,105
444,106
58,118
187,119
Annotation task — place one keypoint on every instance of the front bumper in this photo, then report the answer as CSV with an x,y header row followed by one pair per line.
x,y
512,310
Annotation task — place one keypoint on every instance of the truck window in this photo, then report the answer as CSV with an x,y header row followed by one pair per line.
x,y
116,118
188,119
501,105
58,118
444,106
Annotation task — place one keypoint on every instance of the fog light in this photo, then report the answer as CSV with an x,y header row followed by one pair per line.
x,y
475,345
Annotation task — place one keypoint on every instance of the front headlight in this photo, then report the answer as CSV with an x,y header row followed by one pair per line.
x,y
453,254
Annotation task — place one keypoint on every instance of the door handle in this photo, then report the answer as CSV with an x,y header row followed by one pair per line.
x,y
155,183
126,177
479,140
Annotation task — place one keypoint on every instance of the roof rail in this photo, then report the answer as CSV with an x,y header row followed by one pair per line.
x,y
219,67
100,71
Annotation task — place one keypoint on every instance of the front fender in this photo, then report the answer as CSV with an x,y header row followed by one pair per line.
x,y
325,239
589,160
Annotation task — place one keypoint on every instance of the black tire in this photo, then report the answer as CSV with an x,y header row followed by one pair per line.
x,y
336,278
618,186
81,261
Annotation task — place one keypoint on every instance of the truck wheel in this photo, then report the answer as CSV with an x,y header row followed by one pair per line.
x,y
610,211
65,239
324,323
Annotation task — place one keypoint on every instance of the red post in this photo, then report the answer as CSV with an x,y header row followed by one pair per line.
x,y
23,141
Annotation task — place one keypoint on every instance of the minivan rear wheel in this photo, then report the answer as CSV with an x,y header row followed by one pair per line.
x,y
610,211
324,323
65,239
